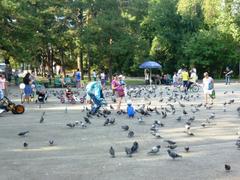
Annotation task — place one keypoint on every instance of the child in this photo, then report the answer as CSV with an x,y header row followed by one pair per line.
x,y
130,110
69,92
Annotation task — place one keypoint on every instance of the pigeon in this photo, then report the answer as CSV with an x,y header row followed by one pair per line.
x,y
125,127
238,143
87,120
186,148
203,125
173,155
112,152
172,146
83,126
182,105
212,116
128,152
106,122
179,118
227,167
157,135
71,125
130,134
154,149
112,120
111,107
190,133
51,142
140,120
25,144
170,142
185,112
23,133
134,147
192,118
187,127
41,119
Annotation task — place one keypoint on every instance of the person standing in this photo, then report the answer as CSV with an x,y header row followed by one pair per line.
x,y
16,77
28,89
103,79
146,74
208,87
78,79
193,78
119,89
2,86
185,78
175,79
228,73
94,74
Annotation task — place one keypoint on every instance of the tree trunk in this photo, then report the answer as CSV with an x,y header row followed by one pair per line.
x,y
89,65
62,62
81,64
110,69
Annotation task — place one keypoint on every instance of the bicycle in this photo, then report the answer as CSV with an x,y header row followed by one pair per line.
x,y
193,88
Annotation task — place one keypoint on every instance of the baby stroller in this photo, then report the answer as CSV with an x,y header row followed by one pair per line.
x,y
70,98
41,94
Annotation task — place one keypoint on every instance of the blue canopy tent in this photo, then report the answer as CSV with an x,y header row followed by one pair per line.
x,y
150,65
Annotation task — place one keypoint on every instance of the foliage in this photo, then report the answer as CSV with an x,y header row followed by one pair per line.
x,y
118,35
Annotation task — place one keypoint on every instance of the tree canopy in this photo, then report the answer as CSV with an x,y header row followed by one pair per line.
x,y
118,35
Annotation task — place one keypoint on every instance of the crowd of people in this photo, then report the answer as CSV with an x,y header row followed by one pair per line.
x,y
182,77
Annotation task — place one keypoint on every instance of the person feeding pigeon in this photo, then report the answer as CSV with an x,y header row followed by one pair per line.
x,y
94,91
130,109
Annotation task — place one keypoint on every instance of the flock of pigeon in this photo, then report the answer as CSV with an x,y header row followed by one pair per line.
x,y
172,104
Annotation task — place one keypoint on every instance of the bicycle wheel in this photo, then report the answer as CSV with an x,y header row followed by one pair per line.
x,y
195,88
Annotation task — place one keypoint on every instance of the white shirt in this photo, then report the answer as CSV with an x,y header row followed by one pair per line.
x,y
175,78
102,76
206,82
193,77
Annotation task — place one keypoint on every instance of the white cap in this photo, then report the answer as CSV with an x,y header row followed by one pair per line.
x,y
129,102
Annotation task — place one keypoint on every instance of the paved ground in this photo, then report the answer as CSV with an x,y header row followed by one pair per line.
x,y
83,153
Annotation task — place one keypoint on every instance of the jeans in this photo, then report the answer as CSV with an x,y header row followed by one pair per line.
x,y
227,80
97,103
1,94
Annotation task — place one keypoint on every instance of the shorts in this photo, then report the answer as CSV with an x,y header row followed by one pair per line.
x,y
185,83
206,91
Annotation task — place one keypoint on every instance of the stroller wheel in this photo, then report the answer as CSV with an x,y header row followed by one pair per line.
x,y
18,109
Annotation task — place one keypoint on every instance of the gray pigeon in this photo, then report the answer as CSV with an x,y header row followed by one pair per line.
x,y
25,144
128,152
172,146
41,119
130,134
23,133
154,149
51,142
112,152
125,127
173,154
170,142
71,125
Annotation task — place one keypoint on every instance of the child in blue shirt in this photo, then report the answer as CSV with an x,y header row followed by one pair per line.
x,y
130,110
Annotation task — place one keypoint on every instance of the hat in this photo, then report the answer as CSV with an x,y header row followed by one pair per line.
x,y
129,102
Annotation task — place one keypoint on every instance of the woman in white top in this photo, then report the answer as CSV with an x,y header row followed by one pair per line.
x,y
208,85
